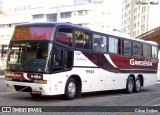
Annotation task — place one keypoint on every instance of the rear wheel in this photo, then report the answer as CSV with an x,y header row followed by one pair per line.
x,y
137,86
70,89
129,85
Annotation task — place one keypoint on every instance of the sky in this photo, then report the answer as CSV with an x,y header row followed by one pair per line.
x,y
112,6
115,9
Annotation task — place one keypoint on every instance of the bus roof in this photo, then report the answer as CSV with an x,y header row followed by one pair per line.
x,y
112,33
125,36
52,24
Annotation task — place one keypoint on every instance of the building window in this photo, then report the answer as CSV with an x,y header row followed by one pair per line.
x,y
2,36
52,17
143,9
135,10
135,25
65,15
87,1
134,33
137,32
9,25
142,27
138,16
143,18
138,24
127,6
3,26
135,18
38,16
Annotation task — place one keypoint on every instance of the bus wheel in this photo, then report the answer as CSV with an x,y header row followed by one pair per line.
x,y
129,85
137,86
35,95
70,89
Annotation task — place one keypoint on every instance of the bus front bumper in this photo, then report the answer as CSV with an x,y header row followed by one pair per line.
x,y
33,88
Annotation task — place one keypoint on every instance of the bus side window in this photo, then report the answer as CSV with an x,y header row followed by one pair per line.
x,y
126,47
65,36
137,49
146,50
87,40
79,42
58,59
82,40
68,59
114,45
154,52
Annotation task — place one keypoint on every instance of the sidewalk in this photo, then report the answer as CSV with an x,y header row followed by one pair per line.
x,y
1,76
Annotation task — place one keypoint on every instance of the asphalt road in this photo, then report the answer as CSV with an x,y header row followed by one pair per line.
x,y
149,96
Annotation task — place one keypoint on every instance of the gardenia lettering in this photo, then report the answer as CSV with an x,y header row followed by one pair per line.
x,y
140,63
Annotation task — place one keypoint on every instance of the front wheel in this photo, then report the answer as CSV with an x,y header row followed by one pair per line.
x,y
70,89
137,87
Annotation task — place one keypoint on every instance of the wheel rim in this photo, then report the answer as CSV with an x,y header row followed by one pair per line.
x,y
130,85
71,88
138,85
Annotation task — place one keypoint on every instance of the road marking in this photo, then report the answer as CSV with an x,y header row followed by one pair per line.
x,y
4,93
147,93
157,105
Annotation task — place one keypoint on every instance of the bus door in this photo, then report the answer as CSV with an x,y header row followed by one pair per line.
x,y
62,59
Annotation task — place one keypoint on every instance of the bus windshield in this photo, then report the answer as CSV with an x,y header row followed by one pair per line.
x,y
29,56
33,33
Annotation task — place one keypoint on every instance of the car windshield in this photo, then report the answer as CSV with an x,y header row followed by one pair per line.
x,y
29,56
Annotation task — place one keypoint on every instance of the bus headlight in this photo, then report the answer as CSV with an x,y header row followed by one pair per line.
x,y
40,81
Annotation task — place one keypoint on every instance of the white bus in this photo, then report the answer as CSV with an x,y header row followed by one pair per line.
x,y
68,59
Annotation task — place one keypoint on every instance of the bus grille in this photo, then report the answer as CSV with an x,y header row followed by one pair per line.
x,y
23,88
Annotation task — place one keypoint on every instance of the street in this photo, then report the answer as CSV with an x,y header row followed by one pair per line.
x,y
149,96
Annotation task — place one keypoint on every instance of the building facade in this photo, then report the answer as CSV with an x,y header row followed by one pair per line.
x,y
0,6
139,16
87,13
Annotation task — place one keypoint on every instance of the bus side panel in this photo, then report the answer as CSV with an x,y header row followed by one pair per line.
x,y
149,79
58,81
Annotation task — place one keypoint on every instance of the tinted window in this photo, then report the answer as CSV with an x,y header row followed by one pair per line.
x,y
33,33
127,47
68,59
82,40
64,36
154,52
99,43
146,50
114,45
137,49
